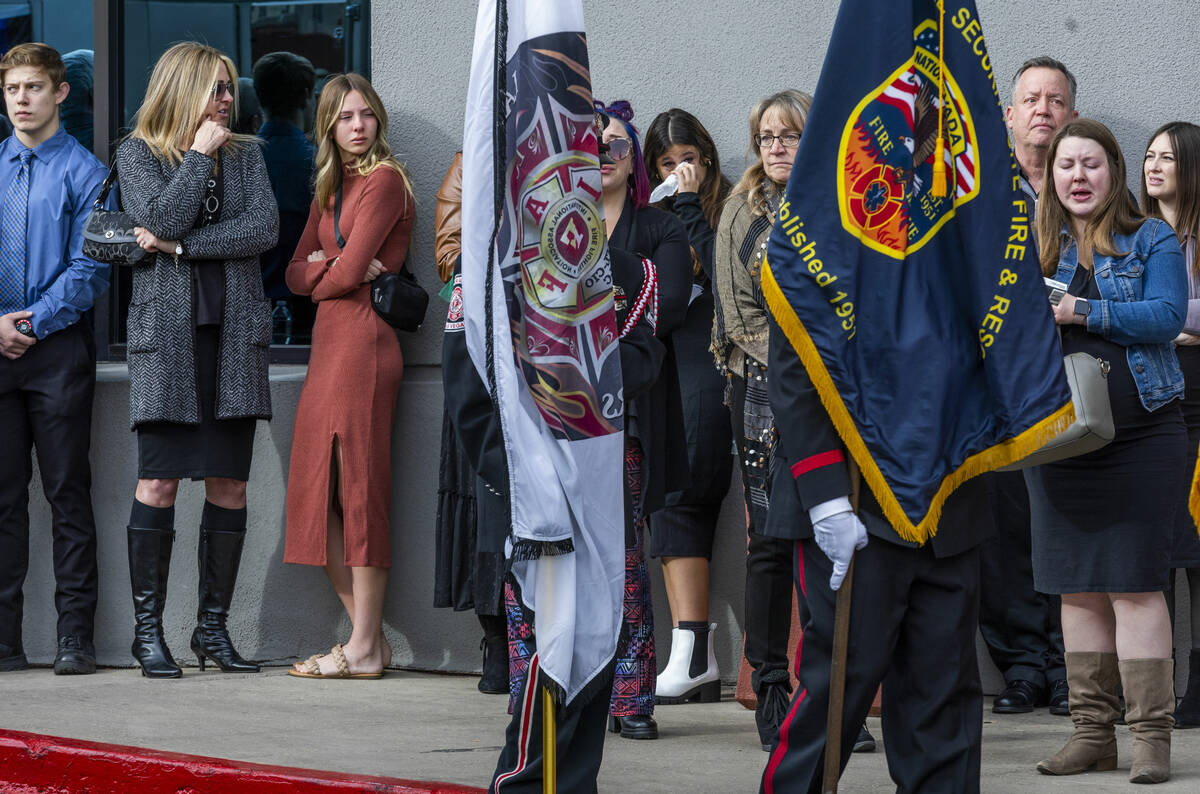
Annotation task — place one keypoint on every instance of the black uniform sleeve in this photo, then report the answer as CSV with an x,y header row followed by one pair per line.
x,y
470,406
809,443
701,235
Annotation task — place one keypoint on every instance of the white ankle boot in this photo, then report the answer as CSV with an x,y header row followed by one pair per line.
x,y
675,685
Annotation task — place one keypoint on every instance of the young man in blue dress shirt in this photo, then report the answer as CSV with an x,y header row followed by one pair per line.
x,y
48,182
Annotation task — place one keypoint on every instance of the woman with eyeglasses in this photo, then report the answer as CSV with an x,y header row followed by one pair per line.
x,y
681,533
198,332
1171,191
340,478
739,341
656,453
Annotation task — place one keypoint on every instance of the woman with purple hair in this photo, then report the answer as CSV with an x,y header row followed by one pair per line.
x,y
656,449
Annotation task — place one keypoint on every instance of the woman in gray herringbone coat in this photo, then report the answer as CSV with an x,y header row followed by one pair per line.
x,y
199,330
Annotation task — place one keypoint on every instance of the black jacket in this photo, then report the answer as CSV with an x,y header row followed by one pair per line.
x,y
661,237
808,441
470,406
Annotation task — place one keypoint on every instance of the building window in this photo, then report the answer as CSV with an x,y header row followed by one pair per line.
x,y
331,36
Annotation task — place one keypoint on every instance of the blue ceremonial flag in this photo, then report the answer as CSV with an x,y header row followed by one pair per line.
x,y
901,266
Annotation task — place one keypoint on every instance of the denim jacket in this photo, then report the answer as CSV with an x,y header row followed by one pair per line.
x,y
1144,303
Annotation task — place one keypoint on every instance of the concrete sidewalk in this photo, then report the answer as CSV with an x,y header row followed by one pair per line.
x,y
437,727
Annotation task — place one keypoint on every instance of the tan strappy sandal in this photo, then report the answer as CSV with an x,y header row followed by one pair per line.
x,y
312,668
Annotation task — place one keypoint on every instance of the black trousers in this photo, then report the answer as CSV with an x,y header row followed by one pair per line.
x,y
46,403
1022,627
767,610
579,744
912,628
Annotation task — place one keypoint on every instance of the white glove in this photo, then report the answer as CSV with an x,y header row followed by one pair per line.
x,y
839,534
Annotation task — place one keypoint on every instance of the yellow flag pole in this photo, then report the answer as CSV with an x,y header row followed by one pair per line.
x,y
549,744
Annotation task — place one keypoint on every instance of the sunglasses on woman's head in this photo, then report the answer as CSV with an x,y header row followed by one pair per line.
x,y
619,148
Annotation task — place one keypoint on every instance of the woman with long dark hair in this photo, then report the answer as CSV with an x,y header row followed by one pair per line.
x,y
339,482
682,532
1102,522
199,329
1171,191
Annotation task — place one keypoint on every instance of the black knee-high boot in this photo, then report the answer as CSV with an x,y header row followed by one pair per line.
x,y
150,536
219,554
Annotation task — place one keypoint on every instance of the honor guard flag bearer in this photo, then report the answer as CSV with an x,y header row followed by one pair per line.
x,y
541,327
901,267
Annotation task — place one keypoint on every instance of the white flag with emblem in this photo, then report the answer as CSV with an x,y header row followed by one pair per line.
x,y
540,324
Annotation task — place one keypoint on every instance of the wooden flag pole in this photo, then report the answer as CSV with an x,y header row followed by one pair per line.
x,y
549,744
837,666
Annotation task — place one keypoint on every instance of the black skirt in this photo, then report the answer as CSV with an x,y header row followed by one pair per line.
x,y
472,523
212,448
686,525
1185,548
1103,522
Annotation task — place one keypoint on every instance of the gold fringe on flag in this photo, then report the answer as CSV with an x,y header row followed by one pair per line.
x,y
1007,451
1194,498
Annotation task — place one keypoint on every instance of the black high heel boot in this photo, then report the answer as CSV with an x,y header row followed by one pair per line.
x,y
149,565
219,554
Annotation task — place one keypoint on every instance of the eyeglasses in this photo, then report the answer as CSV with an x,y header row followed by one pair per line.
x,y
619,148
221,88
790,140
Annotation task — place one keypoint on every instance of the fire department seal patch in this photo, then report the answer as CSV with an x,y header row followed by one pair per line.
x,y
888,149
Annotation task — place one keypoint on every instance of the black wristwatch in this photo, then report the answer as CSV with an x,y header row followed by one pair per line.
x,y
24,327
1082,307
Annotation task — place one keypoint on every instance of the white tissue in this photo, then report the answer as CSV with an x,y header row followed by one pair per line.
x,y
669,187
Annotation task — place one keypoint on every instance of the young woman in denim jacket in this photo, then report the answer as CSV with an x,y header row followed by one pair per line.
x,y
1171,191
1102,522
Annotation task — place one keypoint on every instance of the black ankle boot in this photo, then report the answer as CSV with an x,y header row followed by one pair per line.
x,y
1187,711
494,645
774,699
219,554
149,565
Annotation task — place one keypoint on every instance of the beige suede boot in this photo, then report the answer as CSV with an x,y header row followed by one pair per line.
x,y
1149,700
1093,679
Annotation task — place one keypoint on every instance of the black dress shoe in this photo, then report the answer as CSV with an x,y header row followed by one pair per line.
x,y
865,743
12,658
1019,697
1060,697
637,726
76,656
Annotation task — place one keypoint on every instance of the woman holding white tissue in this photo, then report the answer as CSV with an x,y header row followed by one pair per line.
x,y
682,162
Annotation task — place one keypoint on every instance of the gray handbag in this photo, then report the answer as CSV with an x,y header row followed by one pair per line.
x,y
1093,426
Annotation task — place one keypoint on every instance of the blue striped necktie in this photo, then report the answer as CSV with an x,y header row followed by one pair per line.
x,y
12,239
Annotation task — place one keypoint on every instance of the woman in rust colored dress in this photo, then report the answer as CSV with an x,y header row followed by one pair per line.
x,y
339,486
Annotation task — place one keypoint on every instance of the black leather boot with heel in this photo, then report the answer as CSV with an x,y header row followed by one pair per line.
x,y
149,566
219,555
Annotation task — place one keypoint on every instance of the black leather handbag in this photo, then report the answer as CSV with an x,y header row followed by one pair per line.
x,y
396,297
108,234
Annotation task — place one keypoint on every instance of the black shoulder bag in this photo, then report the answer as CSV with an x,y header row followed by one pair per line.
x,y
396,297
108,234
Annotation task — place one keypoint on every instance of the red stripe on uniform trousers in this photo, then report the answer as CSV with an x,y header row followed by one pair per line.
x,y
526,722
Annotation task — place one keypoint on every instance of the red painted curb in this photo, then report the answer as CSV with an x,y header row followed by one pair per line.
x,y
32,763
